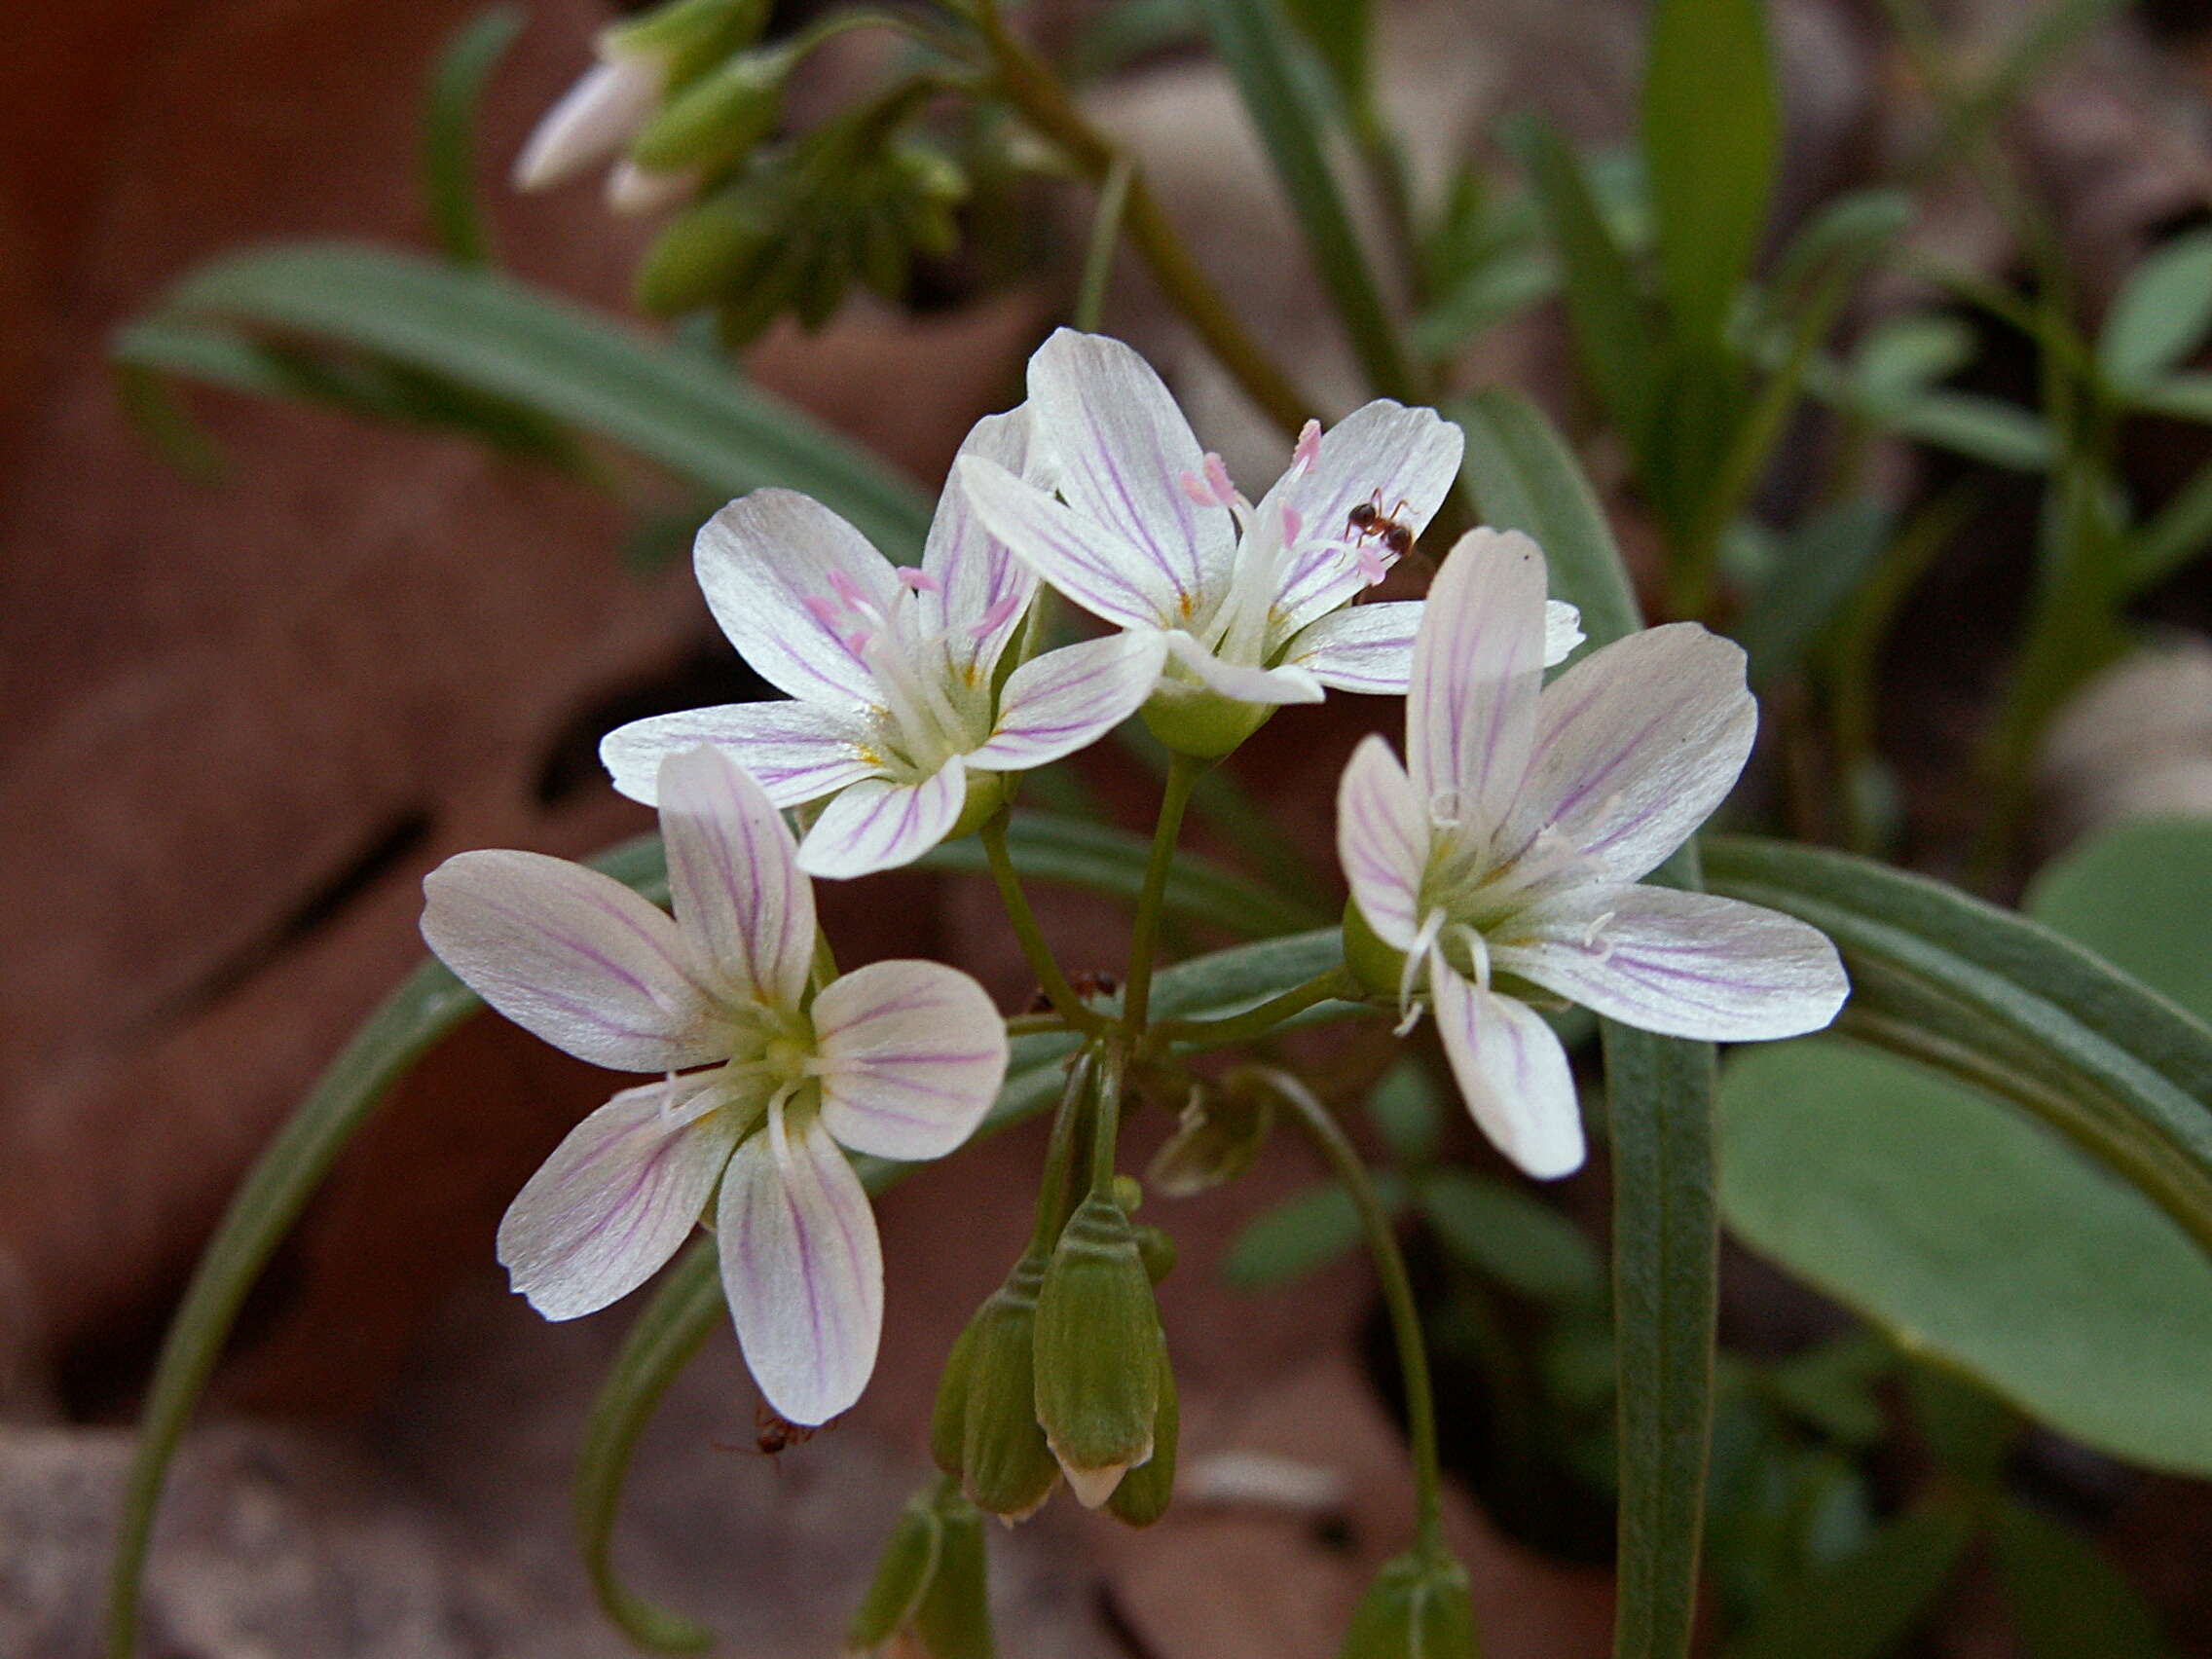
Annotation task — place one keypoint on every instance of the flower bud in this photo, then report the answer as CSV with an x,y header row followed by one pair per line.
x,y
1128,1194
948,1419
687,36
760,293
954,1618
701,255
1006,1465
1417,1608
718,118
1159,1252
1217,1138
1143,1496
1098,1352
903,1576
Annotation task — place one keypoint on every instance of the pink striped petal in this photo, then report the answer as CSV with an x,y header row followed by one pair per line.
x,y
879,825
1478,665
1066,700
1636,746
616,1199
733,876
911,1056
1243,681
1082,559
982,590
802,1268
575,957
1681,964
1382,841
1512,1072
1119,448
761,560
797,752
1363,647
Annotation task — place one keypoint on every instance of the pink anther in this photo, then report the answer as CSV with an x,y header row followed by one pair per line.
x,y
1195,488
1217,475
1291,523
1000,614
846,589
919,581
1309,449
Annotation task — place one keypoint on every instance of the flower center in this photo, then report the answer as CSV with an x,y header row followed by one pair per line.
x,y
912,668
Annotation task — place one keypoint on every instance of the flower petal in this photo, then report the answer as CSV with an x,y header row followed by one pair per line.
x,y
1635,745
1478,666
617,1197
1084,560
734,879
802,1268
911,1056
575,957
879,825
1563,631
1382,841
593,119
1362,647
1681,964
1119,448
1512,1072
1066,700
797,752
975,580
771,565
1243,682
1383,451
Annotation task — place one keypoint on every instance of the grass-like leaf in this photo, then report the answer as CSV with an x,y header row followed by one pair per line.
x,y
449,131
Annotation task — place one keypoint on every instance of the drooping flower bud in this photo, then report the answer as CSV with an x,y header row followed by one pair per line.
x,y
1417,1608
1159,1252
928,1585
718,118
1145,1491
948,1417
903,1573
686,36
1098,1352
1217,1138
702,253
1006,1465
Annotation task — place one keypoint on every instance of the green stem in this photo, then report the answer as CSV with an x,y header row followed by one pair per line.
x,y
1144,941
1105,235
1034,946
1059,1156
1106,1124
1259,1021
1397,1294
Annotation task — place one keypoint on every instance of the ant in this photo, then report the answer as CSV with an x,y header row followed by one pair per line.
x,y
1369,519
1087,983
772,1435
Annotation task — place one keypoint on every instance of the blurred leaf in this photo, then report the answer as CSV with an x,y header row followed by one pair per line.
x,y
1341,32
1863,1606
2054,31
1847,231
2180,532
1832,1386
2067,1599
1128,30
496,337
2185,397
1818,567
1225,805
1407,1113
1513,1236
2135,894
1969,1430
449,131
2161,316
1712,141
1981,428
1904,355
1301,1235
1487,295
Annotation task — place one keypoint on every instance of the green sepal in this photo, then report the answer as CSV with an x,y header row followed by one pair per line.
x,y
1006,1465
1203,725
1145,1491
1417,1608
1380,968
1098,1341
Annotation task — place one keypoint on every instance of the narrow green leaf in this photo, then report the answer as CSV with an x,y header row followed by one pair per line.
x,y
1861,1607
1341,32
1499,288
2054,30
1848,230
1901,357
1253,42
2067,1600
497,337
1981,428
1513,1236
2177,533
1819,568
1711,142
2160,314
449,131
1523,477
2183,396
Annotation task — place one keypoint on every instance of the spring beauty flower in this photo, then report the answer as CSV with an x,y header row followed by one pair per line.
x,y
899,712
1501,860
764,1084
1252,603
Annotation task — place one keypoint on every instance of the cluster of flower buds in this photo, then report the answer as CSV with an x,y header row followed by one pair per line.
x,y
928,1587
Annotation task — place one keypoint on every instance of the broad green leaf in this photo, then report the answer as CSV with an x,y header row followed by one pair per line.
x,y
504,340
1523,477
1254,43
1515,1237
1301,1235
2160,314
2066,1598
2136,895
1816,571
449,131
1863,1606
1711,142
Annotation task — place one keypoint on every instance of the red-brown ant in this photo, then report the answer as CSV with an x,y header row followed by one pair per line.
x,y
1369,519
772,1433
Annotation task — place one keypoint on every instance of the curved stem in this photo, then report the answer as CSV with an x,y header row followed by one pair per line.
x,y
1034,946
1144,941
1044,102
1397,1293
1105,235
1259,1021
1059,1156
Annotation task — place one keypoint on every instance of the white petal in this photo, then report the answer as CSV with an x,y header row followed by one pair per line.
x,y
593,119
911,1056
975,580
1119,449
879,825
802,1270
797,752
1066,700
1243,682
1478,665
1082,559
1512,1072
1681,964
1382,841
1635,745
1404,459
1362,647
734,878
614,1202
760,560
575,957
634,190
1563,631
